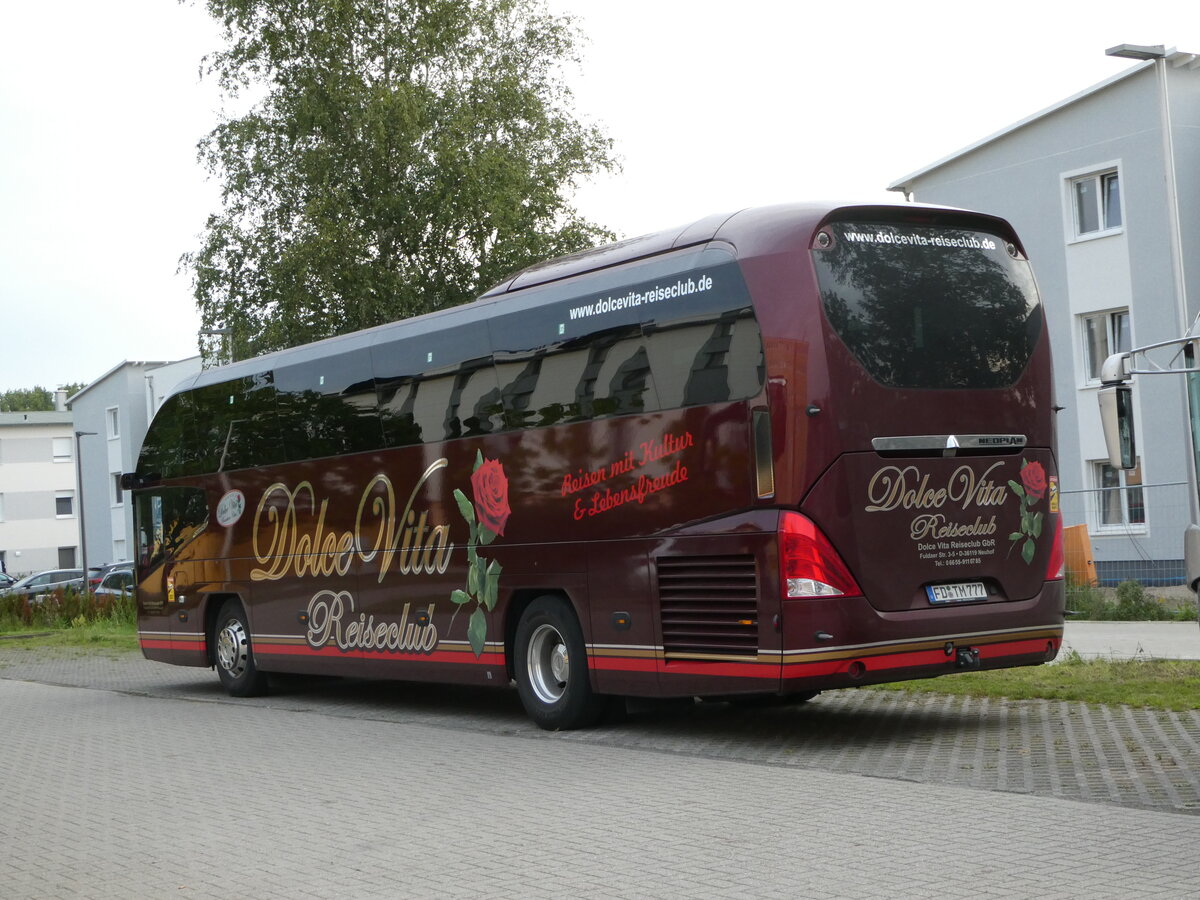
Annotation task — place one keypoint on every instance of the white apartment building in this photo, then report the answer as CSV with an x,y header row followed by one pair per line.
x,y
39,512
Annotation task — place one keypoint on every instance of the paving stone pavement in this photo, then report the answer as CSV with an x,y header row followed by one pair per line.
x,y
123,777
1113,755
141,781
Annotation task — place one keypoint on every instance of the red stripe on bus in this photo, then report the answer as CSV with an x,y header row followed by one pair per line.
x,y
157,644
438,656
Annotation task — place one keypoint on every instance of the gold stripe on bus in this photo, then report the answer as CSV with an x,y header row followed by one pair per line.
x,y
625,652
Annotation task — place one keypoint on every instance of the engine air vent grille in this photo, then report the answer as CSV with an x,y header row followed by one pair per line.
x,y
709,606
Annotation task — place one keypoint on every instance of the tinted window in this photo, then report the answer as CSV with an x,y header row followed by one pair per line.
x,y
924,307
329,405
679,339
165,520
437,386
169,432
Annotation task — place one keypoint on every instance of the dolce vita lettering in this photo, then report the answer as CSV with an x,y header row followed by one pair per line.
x,y
288,542
895,488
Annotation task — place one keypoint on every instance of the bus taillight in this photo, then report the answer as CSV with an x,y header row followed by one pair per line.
x,y
1055,567
809,566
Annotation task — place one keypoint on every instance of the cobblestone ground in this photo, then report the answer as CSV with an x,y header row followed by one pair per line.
x,y
1117,755
140,781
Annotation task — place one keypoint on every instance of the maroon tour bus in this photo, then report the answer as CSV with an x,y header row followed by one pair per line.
x,y
767,454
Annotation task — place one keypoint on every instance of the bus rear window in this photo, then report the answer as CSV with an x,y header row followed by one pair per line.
x,y
928,307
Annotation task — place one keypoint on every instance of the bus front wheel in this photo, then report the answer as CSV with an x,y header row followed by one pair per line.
x,y
235,655
551,667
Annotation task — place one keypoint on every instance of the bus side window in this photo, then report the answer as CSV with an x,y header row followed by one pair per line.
x,y
397,404
474,398
333,405
170,431
167,520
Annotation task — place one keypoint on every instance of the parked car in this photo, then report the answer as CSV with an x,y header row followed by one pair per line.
x,y
96,574
41,583
118,580
6,581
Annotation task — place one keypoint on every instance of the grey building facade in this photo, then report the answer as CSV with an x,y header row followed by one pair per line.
x,y
112,415
1099,187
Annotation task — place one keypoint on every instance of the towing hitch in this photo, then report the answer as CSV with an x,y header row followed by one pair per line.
x,y
967,658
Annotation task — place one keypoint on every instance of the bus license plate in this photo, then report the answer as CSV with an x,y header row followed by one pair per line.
x,y
964,592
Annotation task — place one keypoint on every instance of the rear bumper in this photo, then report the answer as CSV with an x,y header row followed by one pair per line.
x,y
846,642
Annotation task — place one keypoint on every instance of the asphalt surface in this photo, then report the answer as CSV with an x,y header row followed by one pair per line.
x,y
123,778
1133,640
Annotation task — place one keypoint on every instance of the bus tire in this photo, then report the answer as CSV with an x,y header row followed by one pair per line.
x,y
234,654
551,667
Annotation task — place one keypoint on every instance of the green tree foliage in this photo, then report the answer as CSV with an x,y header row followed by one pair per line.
x,y
34,399
400,156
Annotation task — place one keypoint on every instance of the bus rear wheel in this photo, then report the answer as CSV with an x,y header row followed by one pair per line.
x,y
234,653
551,667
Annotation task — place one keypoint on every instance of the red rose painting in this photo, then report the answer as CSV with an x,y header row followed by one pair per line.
x,y
490,486
1033,477
486,517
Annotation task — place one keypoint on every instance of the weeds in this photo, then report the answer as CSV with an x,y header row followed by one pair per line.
x,y
1131,604
66,609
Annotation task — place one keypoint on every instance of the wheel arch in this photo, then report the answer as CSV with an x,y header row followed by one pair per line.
x,y
518,602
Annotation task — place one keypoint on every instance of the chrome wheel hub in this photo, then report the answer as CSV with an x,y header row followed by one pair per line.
x,y
548,663
233,648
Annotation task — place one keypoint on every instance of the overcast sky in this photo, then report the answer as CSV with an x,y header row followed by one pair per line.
x,y
713,106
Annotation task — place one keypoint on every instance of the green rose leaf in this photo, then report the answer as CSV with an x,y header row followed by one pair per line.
x,y
459,597
1037,525
478,460
491,585
1027,523
486,535
473,584
1016,536
1017,489
1027,551
477,630
465,506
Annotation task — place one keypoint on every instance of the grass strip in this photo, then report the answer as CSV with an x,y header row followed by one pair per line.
x,y
1172,684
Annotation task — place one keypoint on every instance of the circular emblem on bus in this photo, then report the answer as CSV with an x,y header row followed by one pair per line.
x,y
231,507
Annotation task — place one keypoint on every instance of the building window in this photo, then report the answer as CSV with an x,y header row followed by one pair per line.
x,y
64,504
1097,200
1119,499
119,550
113,419
66,557
62,450
118,496
1104,334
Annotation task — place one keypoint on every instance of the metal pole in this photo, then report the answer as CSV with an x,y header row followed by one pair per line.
x,y
82,529
1177,265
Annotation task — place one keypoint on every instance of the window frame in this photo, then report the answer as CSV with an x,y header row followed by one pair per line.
x,y
116,495
56,456
1111,335
1109,220
64,495
1125,491
112,422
